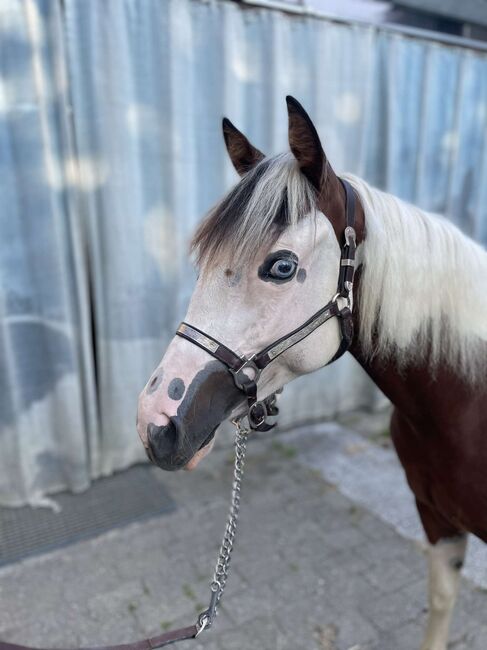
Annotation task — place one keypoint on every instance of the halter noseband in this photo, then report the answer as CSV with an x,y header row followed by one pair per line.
x,y
258,411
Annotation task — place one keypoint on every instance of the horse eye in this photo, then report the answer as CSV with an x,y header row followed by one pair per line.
x,y
283,269
280,266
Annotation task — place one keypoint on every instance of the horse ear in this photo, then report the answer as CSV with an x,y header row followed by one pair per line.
x,y
243,155
305,143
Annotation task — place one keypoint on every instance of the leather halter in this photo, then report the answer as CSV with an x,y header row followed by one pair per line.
x,y
258,411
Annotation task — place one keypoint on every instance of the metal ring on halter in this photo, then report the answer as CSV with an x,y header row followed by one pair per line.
x,y
346,298
247,363
250,414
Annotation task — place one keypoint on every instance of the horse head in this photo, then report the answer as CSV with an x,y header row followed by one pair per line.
x,y
269,257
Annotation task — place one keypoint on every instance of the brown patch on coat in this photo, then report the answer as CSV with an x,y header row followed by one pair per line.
x,y
438,429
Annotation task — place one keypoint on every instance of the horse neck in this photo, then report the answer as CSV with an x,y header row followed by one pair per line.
x,y
415,390
422,386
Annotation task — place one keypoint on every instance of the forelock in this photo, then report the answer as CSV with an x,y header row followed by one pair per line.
x,y
269,198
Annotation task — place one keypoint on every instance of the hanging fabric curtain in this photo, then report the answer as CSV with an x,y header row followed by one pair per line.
x,y
111,152
47,398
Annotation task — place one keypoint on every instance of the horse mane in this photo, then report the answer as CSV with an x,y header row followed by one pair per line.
x,y
423,287
269,198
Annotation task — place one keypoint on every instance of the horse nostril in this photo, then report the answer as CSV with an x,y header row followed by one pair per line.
x,y
163,440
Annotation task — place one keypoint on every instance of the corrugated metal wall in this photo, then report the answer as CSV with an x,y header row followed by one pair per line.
x,y
110,153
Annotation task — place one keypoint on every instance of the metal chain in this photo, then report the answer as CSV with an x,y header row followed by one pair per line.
x,y
220,576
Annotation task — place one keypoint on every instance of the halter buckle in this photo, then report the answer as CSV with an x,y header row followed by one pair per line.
x,y
246,363
347,298
350,236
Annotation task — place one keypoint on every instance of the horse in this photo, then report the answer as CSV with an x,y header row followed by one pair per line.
x,y
269,254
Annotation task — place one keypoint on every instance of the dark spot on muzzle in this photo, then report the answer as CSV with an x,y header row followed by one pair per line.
x,y
155,382
301,276
209,399
176,389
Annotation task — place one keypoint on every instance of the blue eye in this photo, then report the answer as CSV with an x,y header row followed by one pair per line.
x,y
279,267
283,269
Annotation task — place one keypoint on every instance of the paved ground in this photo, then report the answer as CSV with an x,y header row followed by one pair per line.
x,y
357,456
313,569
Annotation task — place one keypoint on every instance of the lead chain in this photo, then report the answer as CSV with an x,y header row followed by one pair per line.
x,y
220,576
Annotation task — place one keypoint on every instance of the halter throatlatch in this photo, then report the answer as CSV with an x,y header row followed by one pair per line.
x,y
247,370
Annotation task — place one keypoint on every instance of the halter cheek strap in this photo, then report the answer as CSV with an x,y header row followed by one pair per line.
x,y
258,411
347,272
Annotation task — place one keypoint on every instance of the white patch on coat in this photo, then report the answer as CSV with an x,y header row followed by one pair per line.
x,y
422,288
444,560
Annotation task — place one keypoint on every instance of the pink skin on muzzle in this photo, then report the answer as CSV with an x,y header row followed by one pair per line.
x,y
166,390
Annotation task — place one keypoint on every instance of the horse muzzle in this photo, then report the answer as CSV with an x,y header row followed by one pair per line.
x,y
171,441
166,445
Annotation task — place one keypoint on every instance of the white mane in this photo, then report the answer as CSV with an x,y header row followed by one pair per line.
x,y
423,288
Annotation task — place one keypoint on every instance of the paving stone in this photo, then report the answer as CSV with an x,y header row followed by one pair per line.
x,y
263,634
60,626
393,610
473,640
354,630
392,574
375,528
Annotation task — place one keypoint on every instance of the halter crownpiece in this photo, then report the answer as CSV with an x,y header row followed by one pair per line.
x,y
259,411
